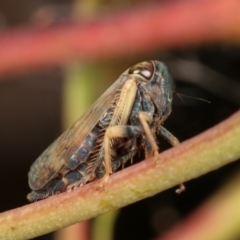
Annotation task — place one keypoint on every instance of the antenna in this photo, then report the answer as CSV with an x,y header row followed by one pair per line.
x,y
180,95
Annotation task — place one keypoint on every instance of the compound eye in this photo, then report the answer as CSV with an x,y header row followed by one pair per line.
x,y
145,69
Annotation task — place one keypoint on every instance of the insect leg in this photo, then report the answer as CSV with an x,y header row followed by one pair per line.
x,y
174,142
111,133
145,119
169,136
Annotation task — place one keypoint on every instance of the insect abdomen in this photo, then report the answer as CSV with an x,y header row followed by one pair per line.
x,y
75,169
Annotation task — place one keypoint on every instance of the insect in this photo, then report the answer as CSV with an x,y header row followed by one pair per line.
x,y
125,119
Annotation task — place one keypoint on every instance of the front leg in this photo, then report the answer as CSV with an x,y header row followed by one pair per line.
x,y
124,131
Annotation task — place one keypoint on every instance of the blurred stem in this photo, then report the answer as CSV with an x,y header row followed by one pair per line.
x,y
217,219
78,92
79,231
204,153
143,29
103,226
86,8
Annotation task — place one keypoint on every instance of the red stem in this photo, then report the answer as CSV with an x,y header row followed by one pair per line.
x,y
120,35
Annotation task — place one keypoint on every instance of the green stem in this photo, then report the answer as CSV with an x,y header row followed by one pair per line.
x,y
204,153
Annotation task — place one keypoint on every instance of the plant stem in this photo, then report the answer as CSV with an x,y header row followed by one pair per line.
x,y
206,152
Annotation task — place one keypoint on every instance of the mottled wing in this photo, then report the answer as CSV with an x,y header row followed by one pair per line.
x,y
57,154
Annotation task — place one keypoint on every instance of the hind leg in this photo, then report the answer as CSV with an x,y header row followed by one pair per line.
x,y
111,133
174,142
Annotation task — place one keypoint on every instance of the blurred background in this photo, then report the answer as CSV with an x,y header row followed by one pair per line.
x,y
37,105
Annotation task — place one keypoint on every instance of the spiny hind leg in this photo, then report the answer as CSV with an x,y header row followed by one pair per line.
x,y
145,119
174,142
122,131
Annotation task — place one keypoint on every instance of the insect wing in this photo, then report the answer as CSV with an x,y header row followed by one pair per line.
x,y
50,162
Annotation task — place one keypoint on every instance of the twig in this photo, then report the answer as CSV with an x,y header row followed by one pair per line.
x,y
204,153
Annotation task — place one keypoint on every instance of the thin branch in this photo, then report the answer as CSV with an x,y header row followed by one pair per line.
x,y
141,30
206,152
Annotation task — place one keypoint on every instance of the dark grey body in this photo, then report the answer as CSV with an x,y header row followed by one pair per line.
x,y
84,162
